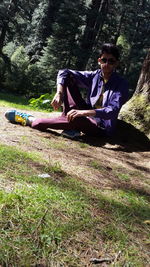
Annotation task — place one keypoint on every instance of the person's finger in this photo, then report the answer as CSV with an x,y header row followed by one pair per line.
x,y
72,115
69,115
55,103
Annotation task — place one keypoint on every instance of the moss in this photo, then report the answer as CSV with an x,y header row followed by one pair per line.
x,y
137,112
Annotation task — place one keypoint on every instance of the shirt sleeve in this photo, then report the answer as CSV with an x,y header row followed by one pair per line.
x,y
82,78
117,99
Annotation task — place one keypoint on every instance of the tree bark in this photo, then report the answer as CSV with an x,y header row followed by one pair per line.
x,y
143,85
137,109
94,23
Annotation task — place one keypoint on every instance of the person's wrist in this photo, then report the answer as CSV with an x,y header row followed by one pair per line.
x,y
59,92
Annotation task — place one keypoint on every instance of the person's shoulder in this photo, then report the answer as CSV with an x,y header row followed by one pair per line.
x,y
118,76
90,73
96,72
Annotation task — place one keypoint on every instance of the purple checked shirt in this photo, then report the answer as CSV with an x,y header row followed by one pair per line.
x,y
114,96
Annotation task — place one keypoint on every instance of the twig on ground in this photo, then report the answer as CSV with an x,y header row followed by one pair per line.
x,y
40,221
109,260
116,257
100,260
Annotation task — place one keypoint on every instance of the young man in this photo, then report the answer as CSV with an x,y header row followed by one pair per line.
x,y
106,93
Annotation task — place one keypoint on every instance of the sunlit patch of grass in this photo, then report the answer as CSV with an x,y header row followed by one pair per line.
x,y
123,176
13,162
37,218
13,99
83,145
16,102
40,215
56,144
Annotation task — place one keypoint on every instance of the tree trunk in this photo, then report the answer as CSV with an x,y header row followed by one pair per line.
x,y
4,30
137,109
143,85
2,36
94,23
119,26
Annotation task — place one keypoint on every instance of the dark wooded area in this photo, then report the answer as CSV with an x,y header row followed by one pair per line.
x,y
39,37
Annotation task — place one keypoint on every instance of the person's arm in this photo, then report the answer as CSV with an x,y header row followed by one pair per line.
x,y
106,113
115,103
74,113
58,98
82,79
117,99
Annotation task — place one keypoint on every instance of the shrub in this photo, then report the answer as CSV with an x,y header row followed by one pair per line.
x,y
39,103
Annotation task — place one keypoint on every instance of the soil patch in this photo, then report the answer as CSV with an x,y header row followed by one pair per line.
x,y
77,157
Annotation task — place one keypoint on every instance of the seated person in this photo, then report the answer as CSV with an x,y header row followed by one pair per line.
x,y
97,115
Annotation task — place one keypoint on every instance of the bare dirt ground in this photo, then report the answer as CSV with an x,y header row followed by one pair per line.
x,y
129,151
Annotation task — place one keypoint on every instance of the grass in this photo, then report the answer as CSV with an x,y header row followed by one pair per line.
x,y
62,220
47,220
96,165
19,102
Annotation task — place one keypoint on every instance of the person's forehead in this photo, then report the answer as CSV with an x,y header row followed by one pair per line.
x,y
108,55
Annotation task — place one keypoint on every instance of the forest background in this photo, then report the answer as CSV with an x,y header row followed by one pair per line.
x,y
37,38
87,207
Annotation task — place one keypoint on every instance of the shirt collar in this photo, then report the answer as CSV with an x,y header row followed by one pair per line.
x,y
110,78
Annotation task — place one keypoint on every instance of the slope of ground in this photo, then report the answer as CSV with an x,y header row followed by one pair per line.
x,y
121,164
77,157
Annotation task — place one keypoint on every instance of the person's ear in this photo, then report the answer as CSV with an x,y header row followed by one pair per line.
x,y
99,61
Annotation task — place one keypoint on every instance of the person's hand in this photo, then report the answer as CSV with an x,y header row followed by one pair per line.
x,y
57,100
74,113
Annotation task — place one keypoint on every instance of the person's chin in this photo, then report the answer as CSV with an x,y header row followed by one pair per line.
x,y
107,71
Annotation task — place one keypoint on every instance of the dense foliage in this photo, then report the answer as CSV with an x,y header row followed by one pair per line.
x,y
39,37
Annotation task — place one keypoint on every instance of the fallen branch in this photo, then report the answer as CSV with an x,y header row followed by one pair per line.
x,y
109,260
101,260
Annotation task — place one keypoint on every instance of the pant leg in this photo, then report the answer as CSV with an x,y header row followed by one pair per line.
x,y
83,124
72,99
58,123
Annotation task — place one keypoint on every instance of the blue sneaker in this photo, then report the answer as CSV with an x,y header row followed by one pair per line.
x,y
15,116
72,134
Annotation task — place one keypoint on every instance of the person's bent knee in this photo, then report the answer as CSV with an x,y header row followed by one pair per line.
x,y
38,124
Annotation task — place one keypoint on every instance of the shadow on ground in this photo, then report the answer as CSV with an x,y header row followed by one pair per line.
x,y
127,138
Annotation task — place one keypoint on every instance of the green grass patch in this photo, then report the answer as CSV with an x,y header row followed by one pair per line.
x,y
123,176
83,145
57,144
97,165
37,218
45,220
17,102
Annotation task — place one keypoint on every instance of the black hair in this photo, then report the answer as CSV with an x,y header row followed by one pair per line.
x,y
110,49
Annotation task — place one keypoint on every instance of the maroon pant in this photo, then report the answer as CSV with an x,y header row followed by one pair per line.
x,y
72,99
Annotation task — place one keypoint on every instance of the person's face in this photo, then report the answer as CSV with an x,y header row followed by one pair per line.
x,y
108,63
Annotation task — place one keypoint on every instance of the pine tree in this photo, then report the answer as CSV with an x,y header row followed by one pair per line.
x,y
41,27
62,47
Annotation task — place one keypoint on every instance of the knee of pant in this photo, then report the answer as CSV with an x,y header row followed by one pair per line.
x,y
37,124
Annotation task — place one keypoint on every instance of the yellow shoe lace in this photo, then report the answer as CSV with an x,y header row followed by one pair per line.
x,y
21,120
